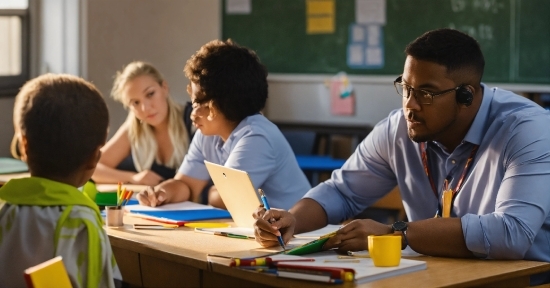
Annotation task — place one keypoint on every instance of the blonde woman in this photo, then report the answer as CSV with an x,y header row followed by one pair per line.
x,y
152,142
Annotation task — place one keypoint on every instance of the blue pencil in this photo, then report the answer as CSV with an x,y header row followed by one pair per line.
x,y
266,206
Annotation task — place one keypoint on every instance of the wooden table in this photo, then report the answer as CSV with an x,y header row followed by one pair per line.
x,y
178,258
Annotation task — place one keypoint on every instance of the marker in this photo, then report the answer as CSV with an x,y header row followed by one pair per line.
x,y
266,206
262,261
156,226
232,235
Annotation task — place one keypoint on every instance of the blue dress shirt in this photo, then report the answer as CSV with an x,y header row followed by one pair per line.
x,y
258,147
504,203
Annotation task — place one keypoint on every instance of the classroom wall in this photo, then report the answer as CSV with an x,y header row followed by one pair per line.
x,y
94,38
166,32
163,32
306,99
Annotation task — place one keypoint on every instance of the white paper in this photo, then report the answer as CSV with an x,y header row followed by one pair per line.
x,y
373,32
187,205
370,11
238,7
113,187
373,56
315,234
355,56
358,33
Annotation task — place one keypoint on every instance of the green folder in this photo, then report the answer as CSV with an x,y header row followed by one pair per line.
x,y
308,248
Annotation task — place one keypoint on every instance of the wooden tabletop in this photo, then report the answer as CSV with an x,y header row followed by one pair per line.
x,y
187,247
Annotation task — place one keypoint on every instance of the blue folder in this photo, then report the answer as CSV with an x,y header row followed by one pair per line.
x,y
182,216
10,165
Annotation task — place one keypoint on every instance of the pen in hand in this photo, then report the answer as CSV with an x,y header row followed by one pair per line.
x,y
266,206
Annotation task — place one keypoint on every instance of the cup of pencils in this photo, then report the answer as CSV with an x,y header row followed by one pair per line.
x,y
115,213
115,216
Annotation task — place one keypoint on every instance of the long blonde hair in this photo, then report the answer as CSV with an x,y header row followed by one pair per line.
x,y
142,140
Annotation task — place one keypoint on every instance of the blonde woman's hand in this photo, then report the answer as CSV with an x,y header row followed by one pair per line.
x,y
151,197
146,177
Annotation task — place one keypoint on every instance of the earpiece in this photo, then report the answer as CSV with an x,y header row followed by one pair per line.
x,y
464,96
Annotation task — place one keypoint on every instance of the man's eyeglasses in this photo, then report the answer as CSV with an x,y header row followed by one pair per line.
x,y
421,96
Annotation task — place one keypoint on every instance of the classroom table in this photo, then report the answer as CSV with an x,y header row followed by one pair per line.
x,y
178,258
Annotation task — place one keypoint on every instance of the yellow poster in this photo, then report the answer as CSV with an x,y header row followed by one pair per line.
x,y
320,16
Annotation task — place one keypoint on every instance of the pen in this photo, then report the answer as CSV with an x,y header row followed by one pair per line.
x,y
266,206
155,226
232,235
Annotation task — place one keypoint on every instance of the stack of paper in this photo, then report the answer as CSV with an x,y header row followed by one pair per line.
x,y
326,267
178,213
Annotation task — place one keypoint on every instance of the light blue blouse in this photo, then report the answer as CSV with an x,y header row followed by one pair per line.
x,y
258,147
504,203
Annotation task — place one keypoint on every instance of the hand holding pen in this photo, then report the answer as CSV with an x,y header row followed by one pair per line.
x,y
266,206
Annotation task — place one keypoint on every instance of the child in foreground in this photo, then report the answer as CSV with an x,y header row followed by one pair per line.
x,y
60,125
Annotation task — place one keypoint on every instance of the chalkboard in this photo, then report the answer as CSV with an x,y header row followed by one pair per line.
x,y
514,35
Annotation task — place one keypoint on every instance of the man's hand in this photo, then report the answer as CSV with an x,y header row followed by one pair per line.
x,y
353,236
273,223
150,197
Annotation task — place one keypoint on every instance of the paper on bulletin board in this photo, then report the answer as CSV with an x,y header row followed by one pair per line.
x,y
342,99
320,16
370,12
238,6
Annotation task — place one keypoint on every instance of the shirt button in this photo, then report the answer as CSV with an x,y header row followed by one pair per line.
x,y
453,161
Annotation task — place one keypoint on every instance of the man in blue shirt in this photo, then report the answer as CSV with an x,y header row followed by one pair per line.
x,y
479,159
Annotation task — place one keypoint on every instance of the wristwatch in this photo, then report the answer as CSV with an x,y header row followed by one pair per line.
x,y
401,226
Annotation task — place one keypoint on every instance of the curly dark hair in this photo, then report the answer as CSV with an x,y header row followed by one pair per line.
x,y
231,76
457,51
64,119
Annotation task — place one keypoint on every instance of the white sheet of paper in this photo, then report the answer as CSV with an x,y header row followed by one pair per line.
x,y
319,232
238,7
187,205
370,11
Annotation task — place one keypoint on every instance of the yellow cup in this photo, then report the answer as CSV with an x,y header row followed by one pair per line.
x,y
385,250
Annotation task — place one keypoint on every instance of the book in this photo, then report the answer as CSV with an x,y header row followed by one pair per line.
x,y
11,165
51,273
364,268
180,217
177,213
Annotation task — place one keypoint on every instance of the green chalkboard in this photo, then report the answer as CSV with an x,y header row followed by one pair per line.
x,y
514,35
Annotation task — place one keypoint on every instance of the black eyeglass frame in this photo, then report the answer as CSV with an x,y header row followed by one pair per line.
x,y
399,81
